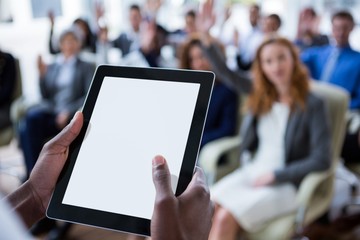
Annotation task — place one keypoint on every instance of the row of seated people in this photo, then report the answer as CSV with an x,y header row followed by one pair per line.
x,y
276,96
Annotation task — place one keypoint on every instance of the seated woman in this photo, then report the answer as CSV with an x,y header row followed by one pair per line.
x,y
285,136
223,108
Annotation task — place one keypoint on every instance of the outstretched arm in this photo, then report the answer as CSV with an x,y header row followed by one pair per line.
x,y
239,81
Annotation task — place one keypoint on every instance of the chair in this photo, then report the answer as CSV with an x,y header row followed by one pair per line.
x,y
225,148
8,133
315,191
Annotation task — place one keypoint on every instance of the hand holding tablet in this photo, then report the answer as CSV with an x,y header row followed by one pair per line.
x,y
131,115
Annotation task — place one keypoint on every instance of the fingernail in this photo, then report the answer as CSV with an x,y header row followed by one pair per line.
x,y
75,116
157,161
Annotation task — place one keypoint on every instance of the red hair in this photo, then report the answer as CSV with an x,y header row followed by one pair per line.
x,y
264,94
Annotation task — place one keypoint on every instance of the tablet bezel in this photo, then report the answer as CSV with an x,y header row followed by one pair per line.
x,y
119,222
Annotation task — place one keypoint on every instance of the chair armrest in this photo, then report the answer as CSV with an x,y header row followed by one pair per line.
x,y
314,195
310,185
212,151
18,109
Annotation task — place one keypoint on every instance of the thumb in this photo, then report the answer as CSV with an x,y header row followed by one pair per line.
x,y
70,132
161,177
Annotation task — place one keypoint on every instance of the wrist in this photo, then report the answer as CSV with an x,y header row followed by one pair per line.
x,y
205,39
27,204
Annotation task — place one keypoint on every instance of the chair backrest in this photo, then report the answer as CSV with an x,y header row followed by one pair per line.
x,y
337,100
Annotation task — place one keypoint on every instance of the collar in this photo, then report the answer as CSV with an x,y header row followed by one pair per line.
x,y
61,60
333,45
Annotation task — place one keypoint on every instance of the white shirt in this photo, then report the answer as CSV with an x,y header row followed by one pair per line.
x,y
250,44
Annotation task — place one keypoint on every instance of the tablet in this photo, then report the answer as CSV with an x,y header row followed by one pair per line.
x,y
130,115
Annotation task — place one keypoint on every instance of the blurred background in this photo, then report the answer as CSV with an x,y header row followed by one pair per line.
x,y
25,26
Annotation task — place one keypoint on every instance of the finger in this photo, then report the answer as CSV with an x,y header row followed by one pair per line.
x,y
198,181
199,177
70,132
208,7
161,177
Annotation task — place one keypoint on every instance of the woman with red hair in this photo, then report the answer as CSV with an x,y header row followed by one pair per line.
x,y
285,136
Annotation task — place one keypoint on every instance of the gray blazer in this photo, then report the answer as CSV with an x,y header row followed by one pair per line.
x,y
80,84
307,136
307,141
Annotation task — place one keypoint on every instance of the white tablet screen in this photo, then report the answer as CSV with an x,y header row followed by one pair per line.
x,y
133,120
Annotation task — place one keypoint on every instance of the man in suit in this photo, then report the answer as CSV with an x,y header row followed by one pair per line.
x,y
63,86
130,39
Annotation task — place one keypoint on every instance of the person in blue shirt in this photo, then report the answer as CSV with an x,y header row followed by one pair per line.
x,y
338,64
346,72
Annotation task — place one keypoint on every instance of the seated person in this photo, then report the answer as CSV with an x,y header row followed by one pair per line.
x,y
270,25
337,63
7,87
308,34
223,108
88,38
64,85
179,36
186,217
282,115
129,40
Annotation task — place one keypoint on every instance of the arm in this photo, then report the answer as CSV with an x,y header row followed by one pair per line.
x,y
122,43
224,117
239,81
52,49
173,217
188,216
45,73
355,95
314,60
31,199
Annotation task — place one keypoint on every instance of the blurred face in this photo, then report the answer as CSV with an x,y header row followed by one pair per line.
x,y
135,19
341,29
269,25
190,23
69,45
254,16
197,59
277,64
83,28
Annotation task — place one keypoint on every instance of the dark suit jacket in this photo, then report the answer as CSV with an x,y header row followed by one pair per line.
x,y
221,119
123,42
80,84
